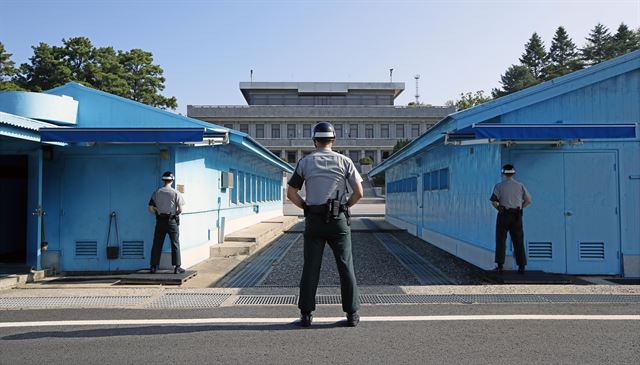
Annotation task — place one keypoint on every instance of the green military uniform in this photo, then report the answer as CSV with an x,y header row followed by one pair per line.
x,y
326,174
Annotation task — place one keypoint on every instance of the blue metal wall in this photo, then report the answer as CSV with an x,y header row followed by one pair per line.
x,y
586,198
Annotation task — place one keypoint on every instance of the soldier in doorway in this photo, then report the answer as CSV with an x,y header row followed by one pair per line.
x,y
166,203
326,175
510,197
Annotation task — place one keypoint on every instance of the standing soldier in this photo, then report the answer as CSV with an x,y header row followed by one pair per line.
x,y
510,198
166,203
326,174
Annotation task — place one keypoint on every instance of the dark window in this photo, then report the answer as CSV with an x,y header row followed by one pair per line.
x,y
354,156
291,156
399,130
384,131
415,130
353,131
241,186
291,131
338,129
259,130
228,125
275,131
385,155
368,131
234,191
371,155
244,128
306,130
444,179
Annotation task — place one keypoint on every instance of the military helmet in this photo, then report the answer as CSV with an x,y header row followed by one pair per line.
x,y
508,169
167,176
323,131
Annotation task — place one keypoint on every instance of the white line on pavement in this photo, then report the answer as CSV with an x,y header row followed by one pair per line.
x,y
186,321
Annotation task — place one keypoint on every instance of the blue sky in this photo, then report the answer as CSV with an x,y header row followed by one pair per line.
x,y
206,47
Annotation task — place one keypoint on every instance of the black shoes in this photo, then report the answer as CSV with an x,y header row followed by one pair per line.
x,y
153,269
178,270
353,319
305,319
499,269
521,270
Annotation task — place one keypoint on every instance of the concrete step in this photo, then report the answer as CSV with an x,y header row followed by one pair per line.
x,y
12,281
248,241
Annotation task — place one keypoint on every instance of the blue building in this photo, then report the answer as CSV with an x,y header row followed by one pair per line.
x,y
574,143
79,165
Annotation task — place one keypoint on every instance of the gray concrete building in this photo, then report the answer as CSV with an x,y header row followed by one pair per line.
x,y
281,115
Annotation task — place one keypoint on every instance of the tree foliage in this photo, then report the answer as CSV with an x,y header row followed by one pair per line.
x,y
563,56
516,78
624,41
468,100
130,74
537,65
534,56
399,144
598,47
7,71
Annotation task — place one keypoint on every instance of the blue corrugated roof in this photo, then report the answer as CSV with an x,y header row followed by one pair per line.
x,y
169,119
506,104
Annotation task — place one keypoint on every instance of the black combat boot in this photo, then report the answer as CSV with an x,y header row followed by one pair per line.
x,y
305,319
353,319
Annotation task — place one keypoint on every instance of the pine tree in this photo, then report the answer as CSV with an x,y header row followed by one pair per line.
x,y
535,55
624,41
517,77
599,46
7,70
563,56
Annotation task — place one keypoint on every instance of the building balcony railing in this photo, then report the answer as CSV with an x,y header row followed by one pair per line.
x,y
340,143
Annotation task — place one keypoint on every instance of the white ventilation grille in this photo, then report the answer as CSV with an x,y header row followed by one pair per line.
x,y
86,248
132,250
540,250
592,250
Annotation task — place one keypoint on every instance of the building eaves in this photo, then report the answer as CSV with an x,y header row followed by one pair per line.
x,y
321,87
261,112
509,103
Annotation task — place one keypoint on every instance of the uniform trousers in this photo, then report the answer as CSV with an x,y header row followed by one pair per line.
x,y
166,225
337,234
510,222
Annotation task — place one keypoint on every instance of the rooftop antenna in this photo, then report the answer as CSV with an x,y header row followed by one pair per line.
x,y
390,75
251,75
417,77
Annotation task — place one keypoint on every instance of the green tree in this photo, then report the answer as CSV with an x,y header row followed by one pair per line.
x,y
468,100
145,79
399,145
46,69
563,56
598,47
624,41
517,77
534,56
7,71
130,74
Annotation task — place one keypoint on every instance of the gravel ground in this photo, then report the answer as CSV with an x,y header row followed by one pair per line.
x,y
458,270
373,264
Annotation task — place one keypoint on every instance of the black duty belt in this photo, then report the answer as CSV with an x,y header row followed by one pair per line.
x,y
506,210
165,216
320,209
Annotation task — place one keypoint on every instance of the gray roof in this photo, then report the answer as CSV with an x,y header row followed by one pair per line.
x,y
335,88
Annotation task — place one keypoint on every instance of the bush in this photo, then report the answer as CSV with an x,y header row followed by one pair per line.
x,y
366,160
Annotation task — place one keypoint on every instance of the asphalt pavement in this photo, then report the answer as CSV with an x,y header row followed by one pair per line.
x,y
472,340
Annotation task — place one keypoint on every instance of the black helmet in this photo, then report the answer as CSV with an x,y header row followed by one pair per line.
x,y
323,131
508,169
167,176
